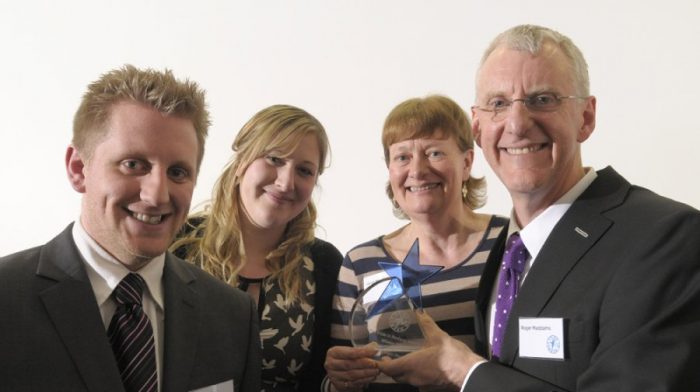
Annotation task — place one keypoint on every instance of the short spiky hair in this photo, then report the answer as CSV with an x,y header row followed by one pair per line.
x,y
157,89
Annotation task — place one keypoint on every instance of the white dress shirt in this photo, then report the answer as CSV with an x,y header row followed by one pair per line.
x,y
105,273
534,236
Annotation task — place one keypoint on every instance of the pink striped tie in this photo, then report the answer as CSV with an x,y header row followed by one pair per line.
x,y
131,336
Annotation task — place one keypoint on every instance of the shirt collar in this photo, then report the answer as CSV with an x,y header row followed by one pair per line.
x,y
538,230
105,272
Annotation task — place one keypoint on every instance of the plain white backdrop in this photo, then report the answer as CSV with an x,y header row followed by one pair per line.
x,y
347,62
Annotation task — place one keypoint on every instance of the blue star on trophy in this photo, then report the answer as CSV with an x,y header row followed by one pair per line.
x,y
384,312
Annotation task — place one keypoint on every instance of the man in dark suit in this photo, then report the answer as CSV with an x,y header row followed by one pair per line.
x,y
604,275
138,141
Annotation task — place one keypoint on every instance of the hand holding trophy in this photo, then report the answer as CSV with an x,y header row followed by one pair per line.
x,y
385,311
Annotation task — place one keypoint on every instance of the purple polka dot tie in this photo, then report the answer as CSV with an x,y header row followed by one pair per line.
x,y
513,264
131,336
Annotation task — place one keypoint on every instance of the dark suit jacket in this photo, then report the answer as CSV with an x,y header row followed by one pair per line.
x,y
52,337
622,267
327,260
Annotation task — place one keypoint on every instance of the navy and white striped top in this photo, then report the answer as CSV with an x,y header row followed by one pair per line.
x,y
448,296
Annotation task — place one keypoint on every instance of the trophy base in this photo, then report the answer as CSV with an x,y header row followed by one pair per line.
x,y
397,350
388,320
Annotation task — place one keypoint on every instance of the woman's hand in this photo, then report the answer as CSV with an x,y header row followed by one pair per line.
x,y
351,368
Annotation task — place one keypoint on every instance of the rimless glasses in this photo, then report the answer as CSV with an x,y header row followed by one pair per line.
x,y
535,103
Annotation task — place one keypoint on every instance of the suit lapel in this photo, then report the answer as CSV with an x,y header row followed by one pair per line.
x,y
181,325
483,295
577,231
71,306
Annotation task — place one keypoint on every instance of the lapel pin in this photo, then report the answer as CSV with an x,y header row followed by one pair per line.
x,y
581,232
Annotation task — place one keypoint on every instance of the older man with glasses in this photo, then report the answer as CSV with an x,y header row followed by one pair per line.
x,y
595,285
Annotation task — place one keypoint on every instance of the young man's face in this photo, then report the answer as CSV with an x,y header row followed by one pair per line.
x,y
137,185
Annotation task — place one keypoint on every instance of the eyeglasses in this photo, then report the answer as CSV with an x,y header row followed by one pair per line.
x,y
535,103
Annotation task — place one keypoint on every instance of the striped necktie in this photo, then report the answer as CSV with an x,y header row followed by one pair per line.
x,y
131,336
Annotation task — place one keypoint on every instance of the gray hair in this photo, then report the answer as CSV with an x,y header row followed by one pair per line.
x,y
531,38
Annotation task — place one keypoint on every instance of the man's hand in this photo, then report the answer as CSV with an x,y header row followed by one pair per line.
x,y
442,363
351,368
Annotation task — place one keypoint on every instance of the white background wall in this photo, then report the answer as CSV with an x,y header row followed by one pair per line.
x,y
348,63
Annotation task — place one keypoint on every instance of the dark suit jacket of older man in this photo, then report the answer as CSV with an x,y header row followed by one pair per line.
x,y
622,268
52,337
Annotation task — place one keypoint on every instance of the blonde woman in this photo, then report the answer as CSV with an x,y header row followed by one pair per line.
x,y
257,233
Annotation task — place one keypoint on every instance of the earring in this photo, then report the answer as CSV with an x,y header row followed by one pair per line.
x,y
397,211
465,191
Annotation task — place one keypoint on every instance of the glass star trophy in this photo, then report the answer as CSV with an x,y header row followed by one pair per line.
x,y
385,311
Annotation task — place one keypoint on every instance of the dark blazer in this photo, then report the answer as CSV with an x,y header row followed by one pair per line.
x,y
327,260
52,337
622,267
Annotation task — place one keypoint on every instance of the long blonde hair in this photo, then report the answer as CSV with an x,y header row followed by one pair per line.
x,y
215,243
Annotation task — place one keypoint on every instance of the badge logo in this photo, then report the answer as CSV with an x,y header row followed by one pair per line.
x,y
553,344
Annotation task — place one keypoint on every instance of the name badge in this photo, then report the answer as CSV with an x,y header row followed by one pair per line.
x,y
541,338
226,386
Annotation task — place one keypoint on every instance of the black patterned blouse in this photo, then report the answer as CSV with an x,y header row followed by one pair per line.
x,y
286,332
294,339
